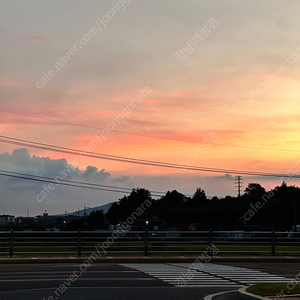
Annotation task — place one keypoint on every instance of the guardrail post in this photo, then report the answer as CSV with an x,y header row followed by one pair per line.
x,y
146,241
11,243
273,243
79,242
210,252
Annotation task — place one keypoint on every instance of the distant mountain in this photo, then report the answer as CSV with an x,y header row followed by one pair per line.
x,y
104,207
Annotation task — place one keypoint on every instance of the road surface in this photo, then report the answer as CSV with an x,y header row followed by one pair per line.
x,y
134,280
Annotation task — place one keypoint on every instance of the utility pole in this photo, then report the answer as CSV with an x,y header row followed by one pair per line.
x,y
238,185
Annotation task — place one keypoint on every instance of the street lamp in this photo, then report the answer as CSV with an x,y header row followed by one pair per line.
x,y
146,238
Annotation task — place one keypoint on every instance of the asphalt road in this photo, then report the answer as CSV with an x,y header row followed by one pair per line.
x,y
127,281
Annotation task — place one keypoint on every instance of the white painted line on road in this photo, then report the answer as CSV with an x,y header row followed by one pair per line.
x,y
243,291
210,297
181,273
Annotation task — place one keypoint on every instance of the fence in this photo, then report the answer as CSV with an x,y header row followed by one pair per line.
x,y
144,243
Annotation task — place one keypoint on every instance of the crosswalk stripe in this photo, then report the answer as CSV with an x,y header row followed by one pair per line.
x,y
182,274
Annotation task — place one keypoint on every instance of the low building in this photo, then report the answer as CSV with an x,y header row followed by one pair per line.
x,y
25,222
6,220
50,222
175,230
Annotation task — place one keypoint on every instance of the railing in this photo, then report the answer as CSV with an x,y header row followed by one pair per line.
x,y
144,243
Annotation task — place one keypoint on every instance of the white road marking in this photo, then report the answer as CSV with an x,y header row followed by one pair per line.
x,y
205,276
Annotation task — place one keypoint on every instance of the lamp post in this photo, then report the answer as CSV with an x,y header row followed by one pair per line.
x,y
146,237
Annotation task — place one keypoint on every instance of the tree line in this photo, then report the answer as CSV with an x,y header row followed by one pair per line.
x,y
257,208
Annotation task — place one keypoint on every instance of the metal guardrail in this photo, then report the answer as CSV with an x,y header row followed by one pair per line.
x,y
72,243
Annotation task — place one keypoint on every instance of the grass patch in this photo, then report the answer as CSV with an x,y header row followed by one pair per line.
x,y
274,289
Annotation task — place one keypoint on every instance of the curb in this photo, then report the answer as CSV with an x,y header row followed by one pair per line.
x,y
243,291
212,296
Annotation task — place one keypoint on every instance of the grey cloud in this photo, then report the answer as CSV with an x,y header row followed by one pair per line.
x,y
124,179
225,177
91,173
18,194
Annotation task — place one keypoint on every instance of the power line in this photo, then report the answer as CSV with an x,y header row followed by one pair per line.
x,y
65,180
62,183
15,141
143,134
72,183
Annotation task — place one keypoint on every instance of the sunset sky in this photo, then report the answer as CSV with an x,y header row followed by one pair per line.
x,y
241,81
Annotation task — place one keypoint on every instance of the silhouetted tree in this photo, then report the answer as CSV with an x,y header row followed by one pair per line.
x,y
127,205
199,198
114,213
96,220
280,209
199,195
254,190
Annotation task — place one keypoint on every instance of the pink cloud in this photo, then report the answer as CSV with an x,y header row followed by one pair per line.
x,y
173,106
185,94
104,113
197,136
157,101
10,82
176,101
6,118
143,123
37,39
